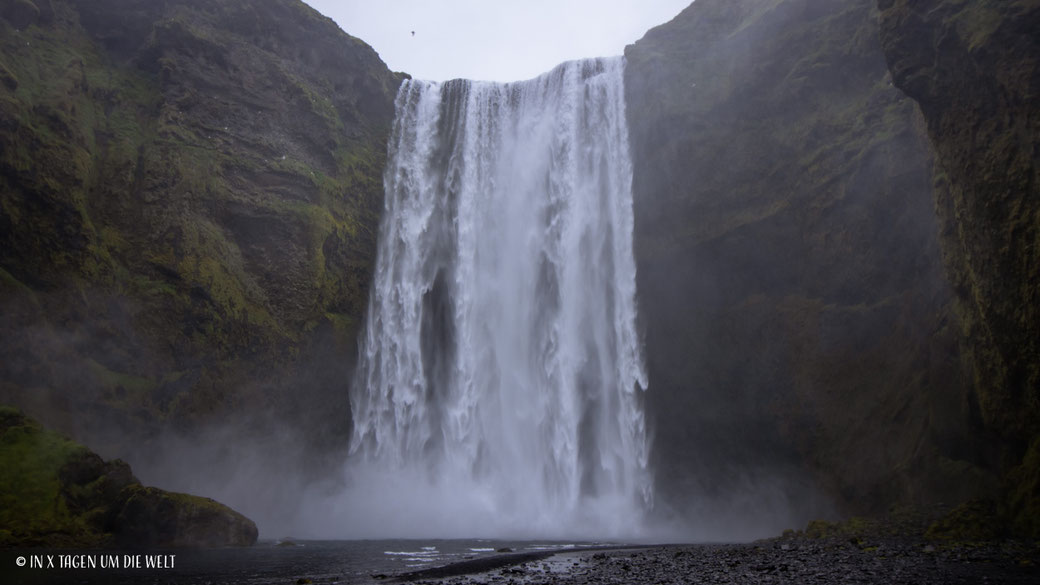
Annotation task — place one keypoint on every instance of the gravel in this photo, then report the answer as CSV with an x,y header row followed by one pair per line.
x,y
802,561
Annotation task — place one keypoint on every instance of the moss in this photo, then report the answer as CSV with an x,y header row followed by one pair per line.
x,y
8,79
342,321
31,501
973,521
975,21
123,391
782,192
55,492
10,282
136,384
855,528
1024,493
968,66
154,517
131,142
321,105
819,529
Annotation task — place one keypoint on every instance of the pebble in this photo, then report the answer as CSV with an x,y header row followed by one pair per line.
x,y
805,562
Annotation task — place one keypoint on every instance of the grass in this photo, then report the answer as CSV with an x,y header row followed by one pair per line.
x,y
30,490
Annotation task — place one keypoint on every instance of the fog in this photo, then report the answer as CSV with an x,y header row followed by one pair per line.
x,y
268,465
431,459
719,356
262,479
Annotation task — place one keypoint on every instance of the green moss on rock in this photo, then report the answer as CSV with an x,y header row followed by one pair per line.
x,y
1024,492
153,517
55,492
188,186
972,67
973,521
799,323
32,509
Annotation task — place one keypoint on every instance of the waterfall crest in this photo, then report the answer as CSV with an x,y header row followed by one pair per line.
x,y
499,384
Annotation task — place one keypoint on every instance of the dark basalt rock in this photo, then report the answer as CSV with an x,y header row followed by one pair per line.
x,y
799,323
94,488
974,70
152,517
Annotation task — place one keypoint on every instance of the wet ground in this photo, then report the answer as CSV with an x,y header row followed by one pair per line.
x,y
798,560
801,561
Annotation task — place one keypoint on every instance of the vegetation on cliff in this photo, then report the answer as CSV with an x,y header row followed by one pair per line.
x,y
55,492
797,316
190,197
831,282
974,69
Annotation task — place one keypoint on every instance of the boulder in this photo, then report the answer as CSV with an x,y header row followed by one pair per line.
x,y
153,517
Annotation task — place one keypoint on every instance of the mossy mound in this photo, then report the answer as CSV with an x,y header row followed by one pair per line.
x,y
973,521
57,493
161,518
934,522
34,509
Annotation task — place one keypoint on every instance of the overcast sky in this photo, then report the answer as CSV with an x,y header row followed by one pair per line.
x,y
499,40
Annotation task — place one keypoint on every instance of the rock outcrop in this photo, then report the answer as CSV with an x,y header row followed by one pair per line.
x,y
153,517
190,193
974,70
798,319
57,493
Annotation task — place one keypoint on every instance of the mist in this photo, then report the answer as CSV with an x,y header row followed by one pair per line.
x,y
695,293
441,450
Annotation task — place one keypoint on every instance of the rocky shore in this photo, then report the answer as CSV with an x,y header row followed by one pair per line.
x,y
784,560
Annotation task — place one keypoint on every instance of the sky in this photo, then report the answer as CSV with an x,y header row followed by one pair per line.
x,y
495,40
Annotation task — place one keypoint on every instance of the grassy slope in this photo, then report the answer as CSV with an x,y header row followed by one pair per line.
x,y
54,492
30,490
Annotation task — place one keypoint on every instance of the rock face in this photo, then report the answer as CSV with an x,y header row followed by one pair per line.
x,y
796,311
833,284
190,198
160,518
57,493
974,69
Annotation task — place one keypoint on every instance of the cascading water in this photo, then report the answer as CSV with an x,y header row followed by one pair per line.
x,y
498,389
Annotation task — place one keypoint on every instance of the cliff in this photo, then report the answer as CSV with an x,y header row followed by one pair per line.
x,y
974,70
798,319
836,235
190,199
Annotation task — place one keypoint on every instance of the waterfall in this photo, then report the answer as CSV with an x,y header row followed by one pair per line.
x,y
499,385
